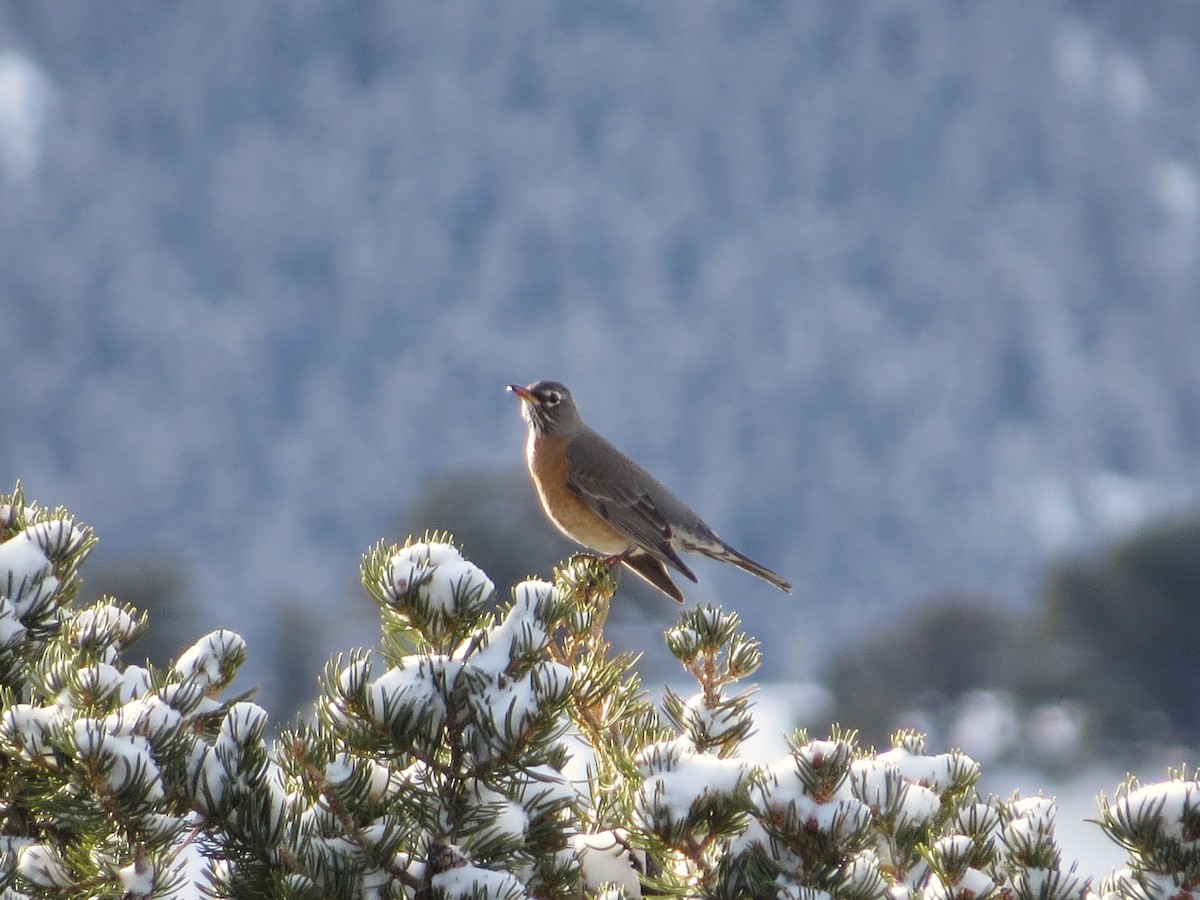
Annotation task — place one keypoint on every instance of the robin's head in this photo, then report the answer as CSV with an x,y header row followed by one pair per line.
x,y
547,406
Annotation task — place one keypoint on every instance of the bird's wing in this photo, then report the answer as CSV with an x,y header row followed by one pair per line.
x,y
622,493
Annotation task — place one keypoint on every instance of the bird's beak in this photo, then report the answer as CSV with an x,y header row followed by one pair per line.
x,y
524,393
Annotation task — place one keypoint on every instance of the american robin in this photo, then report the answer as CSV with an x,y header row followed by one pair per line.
x,y
600,498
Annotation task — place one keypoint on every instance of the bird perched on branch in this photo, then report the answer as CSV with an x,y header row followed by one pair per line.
x,y
600,498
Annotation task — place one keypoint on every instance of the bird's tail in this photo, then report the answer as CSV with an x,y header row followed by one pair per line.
x,y
746,564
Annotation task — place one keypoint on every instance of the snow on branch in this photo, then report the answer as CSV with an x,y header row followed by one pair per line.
x,y
487,748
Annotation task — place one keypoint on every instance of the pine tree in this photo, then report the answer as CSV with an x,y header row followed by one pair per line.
x,y
485,752
97,758
1159,825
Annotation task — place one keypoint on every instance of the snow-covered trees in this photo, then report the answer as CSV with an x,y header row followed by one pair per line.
x,y
484,752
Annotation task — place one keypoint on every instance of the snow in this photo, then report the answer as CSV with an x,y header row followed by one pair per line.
x,y
217,770
606,858
862,872
444,577
1033,812
784,790
416,773
43,867
677,778
427,554
353,675
244,724
550,681
135,683
1168,802
220,871
373,881
10,844
156,826
99,680
882,781
918,805
26,574
519,633
414,867
189,698
533,593
382,782
382,830
410,691
207,777
953,846
147,714
546,786
126,762
206,662
317,819
30,727
979,819
580,763
1149,884
973,883
789,890
1034,881
211,767
137,879
938,772
1078,838
473,883
103,622
506,706
711,722
280,801
298,885
340,769
689,637
815,753
351,682
511,820
56,537
11,630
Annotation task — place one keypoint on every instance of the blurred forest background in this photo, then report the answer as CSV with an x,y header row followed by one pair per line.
x,y
903,297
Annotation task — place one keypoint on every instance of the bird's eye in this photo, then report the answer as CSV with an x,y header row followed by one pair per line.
x,y
552,398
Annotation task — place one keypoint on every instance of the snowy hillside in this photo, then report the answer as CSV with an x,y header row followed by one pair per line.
x,y
902,298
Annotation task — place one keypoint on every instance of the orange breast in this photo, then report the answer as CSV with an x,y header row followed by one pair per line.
x,y
547,459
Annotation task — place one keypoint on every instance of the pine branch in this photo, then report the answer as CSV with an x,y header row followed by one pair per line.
x,y
484,752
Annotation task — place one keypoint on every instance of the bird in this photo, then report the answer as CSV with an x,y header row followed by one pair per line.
x,y
600,498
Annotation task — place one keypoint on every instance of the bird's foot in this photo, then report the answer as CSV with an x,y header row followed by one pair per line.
x,y
615,559
611,561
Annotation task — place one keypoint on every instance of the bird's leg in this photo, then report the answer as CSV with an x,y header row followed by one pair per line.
x,y
611,560
617,558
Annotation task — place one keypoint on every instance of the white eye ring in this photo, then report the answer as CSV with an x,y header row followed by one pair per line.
x,y
552,398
